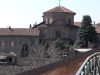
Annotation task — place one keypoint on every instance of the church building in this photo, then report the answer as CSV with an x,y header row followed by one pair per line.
x,y
58,23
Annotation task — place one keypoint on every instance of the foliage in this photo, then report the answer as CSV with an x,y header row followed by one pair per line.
x,y
46,46
23,50
86,34
60,44
56,50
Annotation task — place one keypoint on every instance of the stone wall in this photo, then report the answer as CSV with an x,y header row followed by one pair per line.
x,y
18,40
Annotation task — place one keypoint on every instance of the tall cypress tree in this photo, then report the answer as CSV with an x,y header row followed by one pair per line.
x,y
86,34
24,50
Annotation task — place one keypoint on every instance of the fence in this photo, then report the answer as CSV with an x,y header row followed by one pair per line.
x,y
91,65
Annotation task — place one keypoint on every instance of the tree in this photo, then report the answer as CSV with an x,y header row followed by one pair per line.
x,y
86,34
59,44
46,46
57,50
24,50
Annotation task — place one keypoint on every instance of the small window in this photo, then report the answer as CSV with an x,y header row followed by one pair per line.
x,y
69,21
58,34
32,41
2,44
12,43
21,42
48,21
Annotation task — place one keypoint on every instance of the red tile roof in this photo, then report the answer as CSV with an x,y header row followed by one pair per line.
x,y
11,54
19,31
60,9
8,54
98,23
77,24
98,30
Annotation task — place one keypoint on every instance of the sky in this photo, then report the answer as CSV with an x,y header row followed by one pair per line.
x,y
22,13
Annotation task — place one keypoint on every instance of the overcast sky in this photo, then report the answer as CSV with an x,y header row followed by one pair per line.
x,y
21,13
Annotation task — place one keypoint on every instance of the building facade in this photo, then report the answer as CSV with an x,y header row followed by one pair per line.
x,y
58,23
12,38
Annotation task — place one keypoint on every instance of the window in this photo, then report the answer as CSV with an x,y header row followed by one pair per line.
x,y
32,41
58,34
21,42
12,43
48,21
2,44
69,21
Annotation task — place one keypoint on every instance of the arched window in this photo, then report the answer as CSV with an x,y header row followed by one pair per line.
x,y
58,34
69,21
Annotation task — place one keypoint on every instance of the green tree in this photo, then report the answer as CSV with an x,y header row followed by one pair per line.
x,y
45,54
59,44
46,46
23,50
86,34
58,50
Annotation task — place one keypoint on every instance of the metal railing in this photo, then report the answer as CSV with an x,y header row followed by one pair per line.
x,y
91,65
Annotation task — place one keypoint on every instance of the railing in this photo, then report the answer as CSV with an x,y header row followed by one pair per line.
x,y
91,65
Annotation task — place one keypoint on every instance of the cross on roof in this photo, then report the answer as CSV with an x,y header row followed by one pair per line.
x,y
59,2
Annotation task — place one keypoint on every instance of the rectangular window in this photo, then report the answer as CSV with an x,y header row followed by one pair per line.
x,y
58,34
21,42
32,41
12,43
2,44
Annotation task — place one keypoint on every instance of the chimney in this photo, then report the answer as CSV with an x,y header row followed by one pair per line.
x,y
30,26
35,23
9,27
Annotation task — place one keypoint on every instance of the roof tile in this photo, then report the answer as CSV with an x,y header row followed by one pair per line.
x,y
77,24
19,31
60,9
98,23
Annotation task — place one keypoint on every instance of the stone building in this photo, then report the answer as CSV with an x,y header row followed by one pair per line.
x,y
12,38
58,23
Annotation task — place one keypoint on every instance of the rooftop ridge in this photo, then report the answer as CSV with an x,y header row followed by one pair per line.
x,y
62,8
59,9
